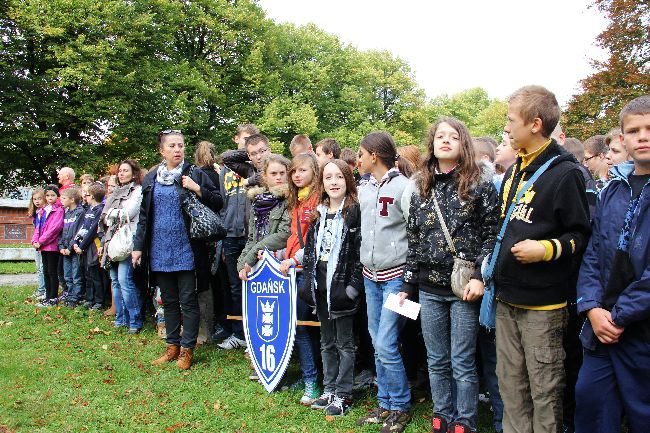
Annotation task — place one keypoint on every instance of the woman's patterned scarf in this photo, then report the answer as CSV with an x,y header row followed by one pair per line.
x,y
167,177
262,206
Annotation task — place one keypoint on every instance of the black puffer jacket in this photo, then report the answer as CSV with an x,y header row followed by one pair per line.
x,y
209,196
347,281
472,226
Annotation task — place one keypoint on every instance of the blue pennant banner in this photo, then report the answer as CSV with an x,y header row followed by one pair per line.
x,y
269,315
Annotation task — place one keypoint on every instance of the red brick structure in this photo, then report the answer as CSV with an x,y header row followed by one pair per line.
x,y
15,226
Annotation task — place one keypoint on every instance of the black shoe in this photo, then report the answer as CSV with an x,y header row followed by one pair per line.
x,y
438,424
338,407
70,304
460,427
219,334
396,422
323,401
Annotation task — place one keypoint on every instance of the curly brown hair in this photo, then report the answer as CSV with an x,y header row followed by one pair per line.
x,y
468,172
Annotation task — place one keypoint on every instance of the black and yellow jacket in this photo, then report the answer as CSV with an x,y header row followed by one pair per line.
x,y
555,212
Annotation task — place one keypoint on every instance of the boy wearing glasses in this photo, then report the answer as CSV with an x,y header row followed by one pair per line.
x,y
249,161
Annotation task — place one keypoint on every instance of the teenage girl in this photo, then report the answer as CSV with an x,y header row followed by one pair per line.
x,y
35,205
383,255
467,201
334,281
303,198
46,240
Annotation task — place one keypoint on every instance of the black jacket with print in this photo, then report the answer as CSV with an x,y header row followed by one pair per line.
x,y
471,224
555,209
347,281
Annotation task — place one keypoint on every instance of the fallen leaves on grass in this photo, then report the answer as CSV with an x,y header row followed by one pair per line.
x,y
177,426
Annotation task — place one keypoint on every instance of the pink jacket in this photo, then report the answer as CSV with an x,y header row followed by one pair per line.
x,y
48,235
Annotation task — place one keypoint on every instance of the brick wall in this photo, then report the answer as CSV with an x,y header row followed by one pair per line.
x,y
15,226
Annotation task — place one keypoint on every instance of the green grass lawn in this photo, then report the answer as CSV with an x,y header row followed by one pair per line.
x,y
7,245
64,370
13,268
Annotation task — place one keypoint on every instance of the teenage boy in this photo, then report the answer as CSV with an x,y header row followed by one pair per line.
x,y
545,236
87,242
244,131
234,213
300,144
594,158
248,162
70,199
614,292
326,150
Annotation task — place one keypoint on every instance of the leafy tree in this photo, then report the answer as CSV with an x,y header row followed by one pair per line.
x,y
624,75
482,115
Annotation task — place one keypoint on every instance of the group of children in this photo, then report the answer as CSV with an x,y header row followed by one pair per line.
x,y
65,237
451,233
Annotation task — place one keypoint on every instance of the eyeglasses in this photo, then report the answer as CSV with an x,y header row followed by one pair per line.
x,y
585,159
170,131
259,152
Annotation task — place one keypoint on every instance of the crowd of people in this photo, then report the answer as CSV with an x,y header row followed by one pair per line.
x,y
530,261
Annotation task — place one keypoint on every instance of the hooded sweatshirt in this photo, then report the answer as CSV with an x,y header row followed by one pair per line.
x,y
553,211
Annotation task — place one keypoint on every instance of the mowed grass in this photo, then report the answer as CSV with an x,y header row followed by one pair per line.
x,y
14,268
64,370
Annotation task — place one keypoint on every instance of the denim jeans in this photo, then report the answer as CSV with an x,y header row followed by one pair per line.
x,y
384,326
73,277
232,248
487,345
305,344
40,272
126,295
449,328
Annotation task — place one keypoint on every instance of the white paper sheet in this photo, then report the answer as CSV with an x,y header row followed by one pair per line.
x,y
409,309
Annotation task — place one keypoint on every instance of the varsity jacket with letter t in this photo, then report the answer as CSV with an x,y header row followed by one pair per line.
x,y
383,227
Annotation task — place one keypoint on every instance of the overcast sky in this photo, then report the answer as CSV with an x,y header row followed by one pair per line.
x,y
455,45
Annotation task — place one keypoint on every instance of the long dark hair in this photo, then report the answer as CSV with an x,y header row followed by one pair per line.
x,y
135,169
351,196
468,172
381,143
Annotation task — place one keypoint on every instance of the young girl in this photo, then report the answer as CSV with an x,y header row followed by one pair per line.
x,y
269,223
303,198
383,255
334,281
268,227
46,240
450,179
36,203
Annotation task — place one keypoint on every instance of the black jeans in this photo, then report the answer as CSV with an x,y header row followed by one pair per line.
x,y
337,350
94,286
51,271
232,248
179,295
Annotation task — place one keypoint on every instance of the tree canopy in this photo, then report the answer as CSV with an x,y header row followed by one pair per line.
x,y
622,76
88,83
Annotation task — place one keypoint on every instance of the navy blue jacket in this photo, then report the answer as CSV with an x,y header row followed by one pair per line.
x,y
71,224
632,306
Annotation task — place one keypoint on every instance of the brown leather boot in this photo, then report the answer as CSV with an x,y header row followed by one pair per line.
x,y
170,354
184,360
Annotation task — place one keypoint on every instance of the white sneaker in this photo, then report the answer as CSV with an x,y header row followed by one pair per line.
x,y
232,342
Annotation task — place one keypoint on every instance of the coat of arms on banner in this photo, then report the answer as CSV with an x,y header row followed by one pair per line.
x,y
269,315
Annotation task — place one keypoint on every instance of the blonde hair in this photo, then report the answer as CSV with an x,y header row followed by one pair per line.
x,y
299,160
72,193
274,157
31,209
204,154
